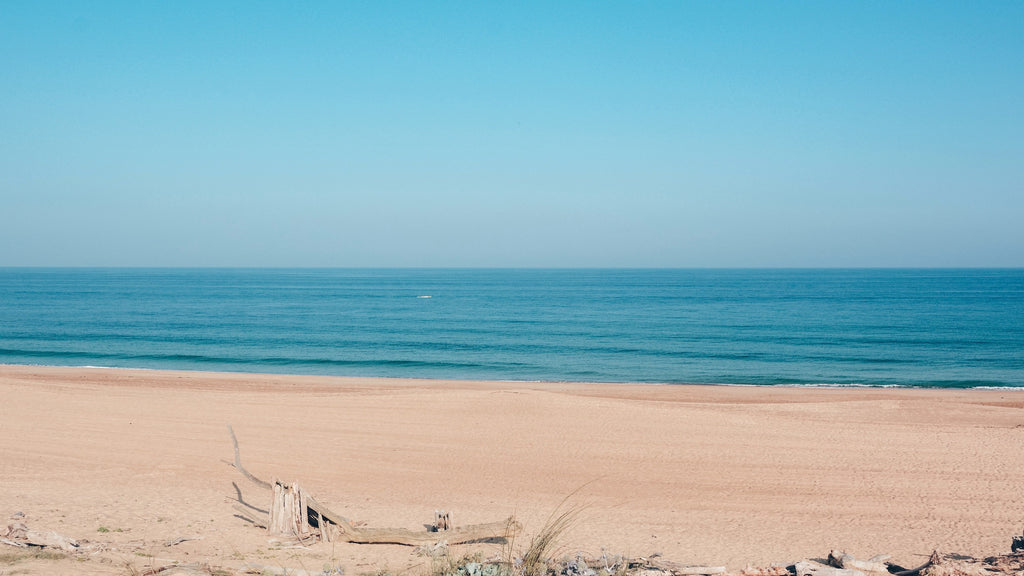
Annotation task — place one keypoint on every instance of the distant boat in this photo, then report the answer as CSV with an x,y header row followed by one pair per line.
x,y
424,296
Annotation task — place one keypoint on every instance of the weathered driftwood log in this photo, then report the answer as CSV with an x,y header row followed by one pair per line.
x,y
810,568
699,570
776,570
347,532
289,512
442,520
19,535
841,559
191,569
641,565
326,530
933,559
270,570
15,532
179,540
684,569
458,535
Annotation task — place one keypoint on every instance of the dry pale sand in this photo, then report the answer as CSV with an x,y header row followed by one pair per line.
x,y
701,474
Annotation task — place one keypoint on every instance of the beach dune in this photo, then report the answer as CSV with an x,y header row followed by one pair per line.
x,y
700,474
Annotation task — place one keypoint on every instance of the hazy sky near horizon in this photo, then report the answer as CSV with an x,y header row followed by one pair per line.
x,y
671,134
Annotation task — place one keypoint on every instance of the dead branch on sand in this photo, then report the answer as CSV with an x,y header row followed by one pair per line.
x,y
294,513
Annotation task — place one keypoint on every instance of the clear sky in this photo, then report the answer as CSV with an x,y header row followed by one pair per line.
x,y
619,134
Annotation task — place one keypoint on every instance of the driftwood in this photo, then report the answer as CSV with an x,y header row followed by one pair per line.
x,y
179,540
191,569
811,568
14,543
697,570
914,571
289,514
954,565
776,570
20,535
268,570
641,566
684,569
442,520
846,561
458,535
292,510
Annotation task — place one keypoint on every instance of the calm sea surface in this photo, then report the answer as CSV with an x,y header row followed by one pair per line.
x,y
941,328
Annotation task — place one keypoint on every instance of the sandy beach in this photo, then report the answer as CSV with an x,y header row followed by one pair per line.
x,y
719,475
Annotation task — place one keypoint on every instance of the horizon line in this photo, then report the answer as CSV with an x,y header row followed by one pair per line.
x,y
232,267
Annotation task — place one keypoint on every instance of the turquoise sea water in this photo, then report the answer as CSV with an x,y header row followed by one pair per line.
x,y
941,328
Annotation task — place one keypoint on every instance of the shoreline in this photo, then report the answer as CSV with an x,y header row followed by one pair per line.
x,y
802,386
712,474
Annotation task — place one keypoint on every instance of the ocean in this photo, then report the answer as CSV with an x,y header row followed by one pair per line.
x,y
822,327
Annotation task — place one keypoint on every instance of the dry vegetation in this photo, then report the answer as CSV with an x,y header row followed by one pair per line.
x,y
27,554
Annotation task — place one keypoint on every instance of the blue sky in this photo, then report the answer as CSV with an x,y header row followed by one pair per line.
x,y
721,134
